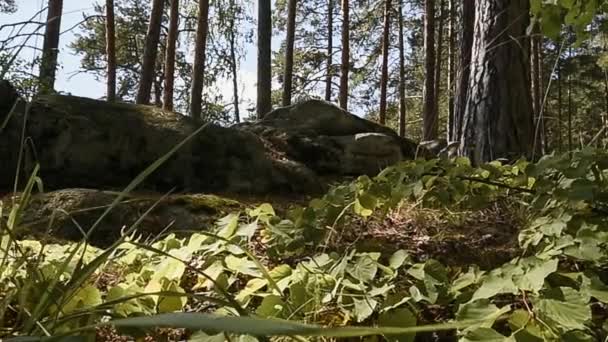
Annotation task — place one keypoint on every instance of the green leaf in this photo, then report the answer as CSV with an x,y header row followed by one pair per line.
x,y
364,308
485,335
267,327
536,270
272,306
202,337
242,265
481,310
401,317
86,297
398,259
569,316
364,270
227,226
172,303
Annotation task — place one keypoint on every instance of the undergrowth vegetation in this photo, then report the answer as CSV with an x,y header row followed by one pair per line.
x,y
257,273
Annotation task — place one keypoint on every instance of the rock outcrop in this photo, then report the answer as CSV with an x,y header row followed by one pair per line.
x,y
84,143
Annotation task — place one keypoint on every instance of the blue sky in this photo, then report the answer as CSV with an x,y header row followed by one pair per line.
x,y
82,84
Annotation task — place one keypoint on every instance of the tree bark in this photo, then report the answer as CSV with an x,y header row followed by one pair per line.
x,y
385,52
451,67
198,68
111,51
570,139
170,56
429,112
498,121
345,67
150,52
402,103
560,142
233,64
291,34
536,84
330,49
461,91
264,99
439,58
50,48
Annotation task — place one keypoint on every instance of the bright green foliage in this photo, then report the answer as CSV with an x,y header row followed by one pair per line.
x,y
547,294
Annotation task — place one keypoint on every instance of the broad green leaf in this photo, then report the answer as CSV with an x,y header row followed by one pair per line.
x,y
172,303
483,334
364,308
272,306
227,226
536,270
481,310
242,265
364,270
401,317
568,316
398,259
86,297
202,337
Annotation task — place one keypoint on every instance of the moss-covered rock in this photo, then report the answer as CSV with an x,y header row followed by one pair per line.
x,y
68,214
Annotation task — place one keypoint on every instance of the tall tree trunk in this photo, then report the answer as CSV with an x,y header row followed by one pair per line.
x,y
264,99
439,58
498,120
198,68
536,83
170,56
560,143
344,68
385,52
291,34
150,52
50,48
111,51
402,108
330,49
429,112
233,64
466,12
158,92
570,140
451,67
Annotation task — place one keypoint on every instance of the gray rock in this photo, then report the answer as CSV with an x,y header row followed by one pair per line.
x,y
85,143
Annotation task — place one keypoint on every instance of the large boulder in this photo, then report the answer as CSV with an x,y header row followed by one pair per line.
x,y
85,143
330,140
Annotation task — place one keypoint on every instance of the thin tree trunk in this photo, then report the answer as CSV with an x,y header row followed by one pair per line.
x,y
451,67
499,119
170,56
291,34
330,49
150,52
233,65
198,68
537,93
467,15
264,100
385,52
429,130
158,92
345,55
570,140
402,108
559,99
439,58
50,48
111,51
